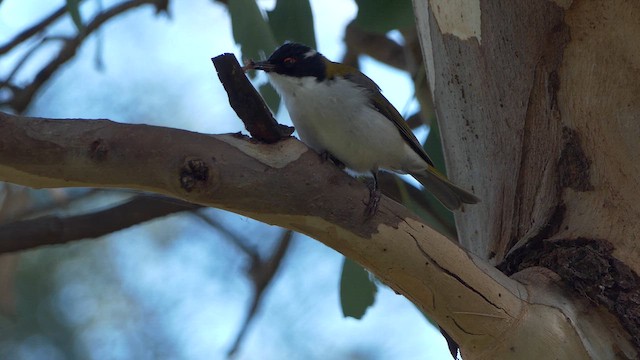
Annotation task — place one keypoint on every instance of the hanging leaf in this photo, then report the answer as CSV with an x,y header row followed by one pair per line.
x,y
382,16
73,7
250,30
292,20
357,291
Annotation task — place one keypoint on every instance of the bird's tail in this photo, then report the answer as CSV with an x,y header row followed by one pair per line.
x,y
449,194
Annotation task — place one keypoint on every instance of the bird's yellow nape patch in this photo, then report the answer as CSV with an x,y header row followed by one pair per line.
x,y
336,69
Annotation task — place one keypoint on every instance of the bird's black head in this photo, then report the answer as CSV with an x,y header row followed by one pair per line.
x,y
295,60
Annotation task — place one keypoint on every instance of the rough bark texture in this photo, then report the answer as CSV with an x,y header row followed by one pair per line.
x,y
538,105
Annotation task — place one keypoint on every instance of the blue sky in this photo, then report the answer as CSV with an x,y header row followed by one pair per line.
x,y
191,284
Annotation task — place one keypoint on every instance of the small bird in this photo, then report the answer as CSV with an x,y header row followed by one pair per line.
x,y
341,113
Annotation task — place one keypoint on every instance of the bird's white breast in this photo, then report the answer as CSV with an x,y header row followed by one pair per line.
x,y
336,116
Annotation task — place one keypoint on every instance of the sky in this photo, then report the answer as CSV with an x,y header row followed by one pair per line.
x,y
188,283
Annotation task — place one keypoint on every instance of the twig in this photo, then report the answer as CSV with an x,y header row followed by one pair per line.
x,y
23,60
49,230
33,30
378,46
247,103
415,121
22,97
261,274
236,240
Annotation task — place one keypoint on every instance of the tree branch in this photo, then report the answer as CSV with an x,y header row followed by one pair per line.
x,y
233,238
282,184
261,274
50,230
33,30
378,46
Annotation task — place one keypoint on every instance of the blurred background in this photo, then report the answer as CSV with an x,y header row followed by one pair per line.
x,y
201,283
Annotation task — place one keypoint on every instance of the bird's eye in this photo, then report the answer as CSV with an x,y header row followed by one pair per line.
x,y
289,60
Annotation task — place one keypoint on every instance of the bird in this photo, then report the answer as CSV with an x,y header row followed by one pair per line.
x,y
341,113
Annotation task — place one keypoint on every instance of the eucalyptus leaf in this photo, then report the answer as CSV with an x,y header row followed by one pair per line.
x,y
357,291
250,29
292,20
382,16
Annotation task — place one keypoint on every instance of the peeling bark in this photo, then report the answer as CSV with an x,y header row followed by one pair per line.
x,y
538,110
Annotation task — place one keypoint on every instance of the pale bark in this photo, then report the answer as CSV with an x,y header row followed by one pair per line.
x,y
286,184
538,104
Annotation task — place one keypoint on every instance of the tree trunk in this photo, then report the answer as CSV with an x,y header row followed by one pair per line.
x,y
538,104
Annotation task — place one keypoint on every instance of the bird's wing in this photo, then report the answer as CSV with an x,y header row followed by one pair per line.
x,y
380,103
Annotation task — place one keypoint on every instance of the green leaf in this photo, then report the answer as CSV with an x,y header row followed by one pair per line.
x,y
73,7
292,20
270,96
357,291
250,29
382,16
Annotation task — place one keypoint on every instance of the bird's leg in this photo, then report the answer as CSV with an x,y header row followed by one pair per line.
x,y
374,195
325,155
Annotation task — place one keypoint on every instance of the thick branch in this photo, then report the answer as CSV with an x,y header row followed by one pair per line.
x,y
50,230
282,184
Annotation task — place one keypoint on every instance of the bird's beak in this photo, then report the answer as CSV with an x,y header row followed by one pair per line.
x,y
260,65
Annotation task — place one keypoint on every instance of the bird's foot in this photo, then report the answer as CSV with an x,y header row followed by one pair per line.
x,y
374,200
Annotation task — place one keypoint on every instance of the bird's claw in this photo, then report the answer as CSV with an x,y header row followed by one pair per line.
x,y
325,155
374,201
